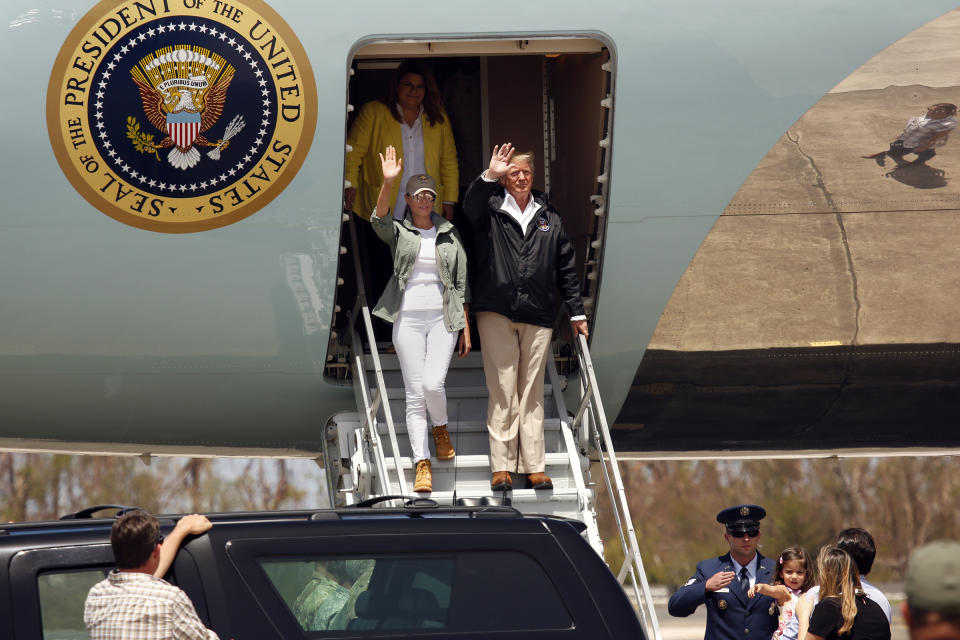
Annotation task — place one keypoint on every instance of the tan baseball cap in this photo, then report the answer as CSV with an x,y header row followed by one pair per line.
x,y
421,182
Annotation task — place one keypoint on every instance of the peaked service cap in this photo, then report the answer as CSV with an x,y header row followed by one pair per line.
x,y
742,516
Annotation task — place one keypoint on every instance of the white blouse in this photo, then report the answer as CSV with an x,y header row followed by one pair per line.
x,y
424,291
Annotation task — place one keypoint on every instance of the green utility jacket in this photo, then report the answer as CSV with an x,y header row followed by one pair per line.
x,y
404,241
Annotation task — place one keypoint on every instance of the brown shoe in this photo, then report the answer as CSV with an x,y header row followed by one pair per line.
x,y
441,440
539,481
424,482
501,481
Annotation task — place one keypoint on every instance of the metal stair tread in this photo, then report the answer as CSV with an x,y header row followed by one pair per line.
x,y
518,495
460,426
479,392
391,362
469,461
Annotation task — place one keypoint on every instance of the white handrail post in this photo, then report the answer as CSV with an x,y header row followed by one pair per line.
x,y
584,502
601,422
369,424
383,399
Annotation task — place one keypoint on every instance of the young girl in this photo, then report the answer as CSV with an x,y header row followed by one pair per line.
x,y
791,580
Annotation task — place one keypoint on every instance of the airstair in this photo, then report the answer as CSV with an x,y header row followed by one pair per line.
x,y
367,452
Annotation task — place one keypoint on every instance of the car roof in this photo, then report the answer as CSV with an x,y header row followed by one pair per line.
x,y
88,524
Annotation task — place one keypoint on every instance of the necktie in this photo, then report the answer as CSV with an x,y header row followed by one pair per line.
x,y
744,580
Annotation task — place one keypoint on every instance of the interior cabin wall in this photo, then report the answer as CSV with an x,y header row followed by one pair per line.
x,y
515,106
577,85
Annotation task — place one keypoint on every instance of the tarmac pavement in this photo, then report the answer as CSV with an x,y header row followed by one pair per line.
x,y
821,310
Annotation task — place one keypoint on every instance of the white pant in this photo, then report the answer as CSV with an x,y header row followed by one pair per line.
x,y
424,347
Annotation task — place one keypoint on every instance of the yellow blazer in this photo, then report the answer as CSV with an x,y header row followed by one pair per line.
x,y
374,129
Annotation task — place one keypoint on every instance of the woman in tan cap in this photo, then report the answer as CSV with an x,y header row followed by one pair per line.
x,y
427,300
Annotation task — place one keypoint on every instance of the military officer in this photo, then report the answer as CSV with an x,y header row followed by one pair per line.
x,y
722,583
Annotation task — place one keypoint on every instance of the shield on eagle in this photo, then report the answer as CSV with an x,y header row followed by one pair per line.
x,y
183,127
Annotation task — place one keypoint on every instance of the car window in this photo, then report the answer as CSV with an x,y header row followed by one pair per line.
x,y
62,596
460,591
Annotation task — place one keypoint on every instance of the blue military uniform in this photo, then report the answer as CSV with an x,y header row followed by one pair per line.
x,y
731,615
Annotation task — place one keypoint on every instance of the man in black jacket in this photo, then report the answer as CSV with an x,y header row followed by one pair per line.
x,y
523,257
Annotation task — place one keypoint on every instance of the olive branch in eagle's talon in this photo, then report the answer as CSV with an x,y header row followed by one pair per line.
x,y
143,142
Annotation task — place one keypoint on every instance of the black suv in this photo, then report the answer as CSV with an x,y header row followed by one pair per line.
x,y
412,571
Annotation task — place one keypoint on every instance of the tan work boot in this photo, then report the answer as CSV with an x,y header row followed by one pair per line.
x,y
539,480
501,481
424,482
441,439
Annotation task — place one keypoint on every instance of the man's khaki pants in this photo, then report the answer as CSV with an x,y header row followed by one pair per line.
x,y
514,358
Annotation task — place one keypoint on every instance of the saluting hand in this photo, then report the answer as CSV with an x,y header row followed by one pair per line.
x,y
391,165
719,580
500,160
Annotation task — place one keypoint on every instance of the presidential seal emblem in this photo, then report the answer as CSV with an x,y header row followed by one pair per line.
x,y
181,115
543,224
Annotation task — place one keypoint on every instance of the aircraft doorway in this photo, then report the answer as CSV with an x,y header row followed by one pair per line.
x,y
549,96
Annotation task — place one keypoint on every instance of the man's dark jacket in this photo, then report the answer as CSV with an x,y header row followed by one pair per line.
x,y
517,275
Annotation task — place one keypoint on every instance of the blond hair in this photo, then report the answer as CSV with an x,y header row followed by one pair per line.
x,y
839,579
526,156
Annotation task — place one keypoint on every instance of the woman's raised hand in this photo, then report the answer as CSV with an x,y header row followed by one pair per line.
x,y
391,165
500,160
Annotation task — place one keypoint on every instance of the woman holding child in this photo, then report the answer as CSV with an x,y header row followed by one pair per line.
x,y
842,611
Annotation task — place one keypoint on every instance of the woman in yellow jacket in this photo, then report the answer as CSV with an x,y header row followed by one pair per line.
x,y
412,121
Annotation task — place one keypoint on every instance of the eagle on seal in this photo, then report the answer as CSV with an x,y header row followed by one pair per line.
x,y
185,123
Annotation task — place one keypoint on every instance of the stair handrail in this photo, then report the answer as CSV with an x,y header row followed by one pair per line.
x,y
371,405
591,410
575,453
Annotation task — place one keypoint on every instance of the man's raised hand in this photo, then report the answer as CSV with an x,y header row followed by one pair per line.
x,y
500,160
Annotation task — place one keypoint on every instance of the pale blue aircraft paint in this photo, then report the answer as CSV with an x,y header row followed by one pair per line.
x,y
113,334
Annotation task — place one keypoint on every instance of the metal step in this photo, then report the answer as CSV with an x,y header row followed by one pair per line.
x,y
469,437
460,406
468,462
464,426
564,503
480,393
391,362
470,474
559,502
